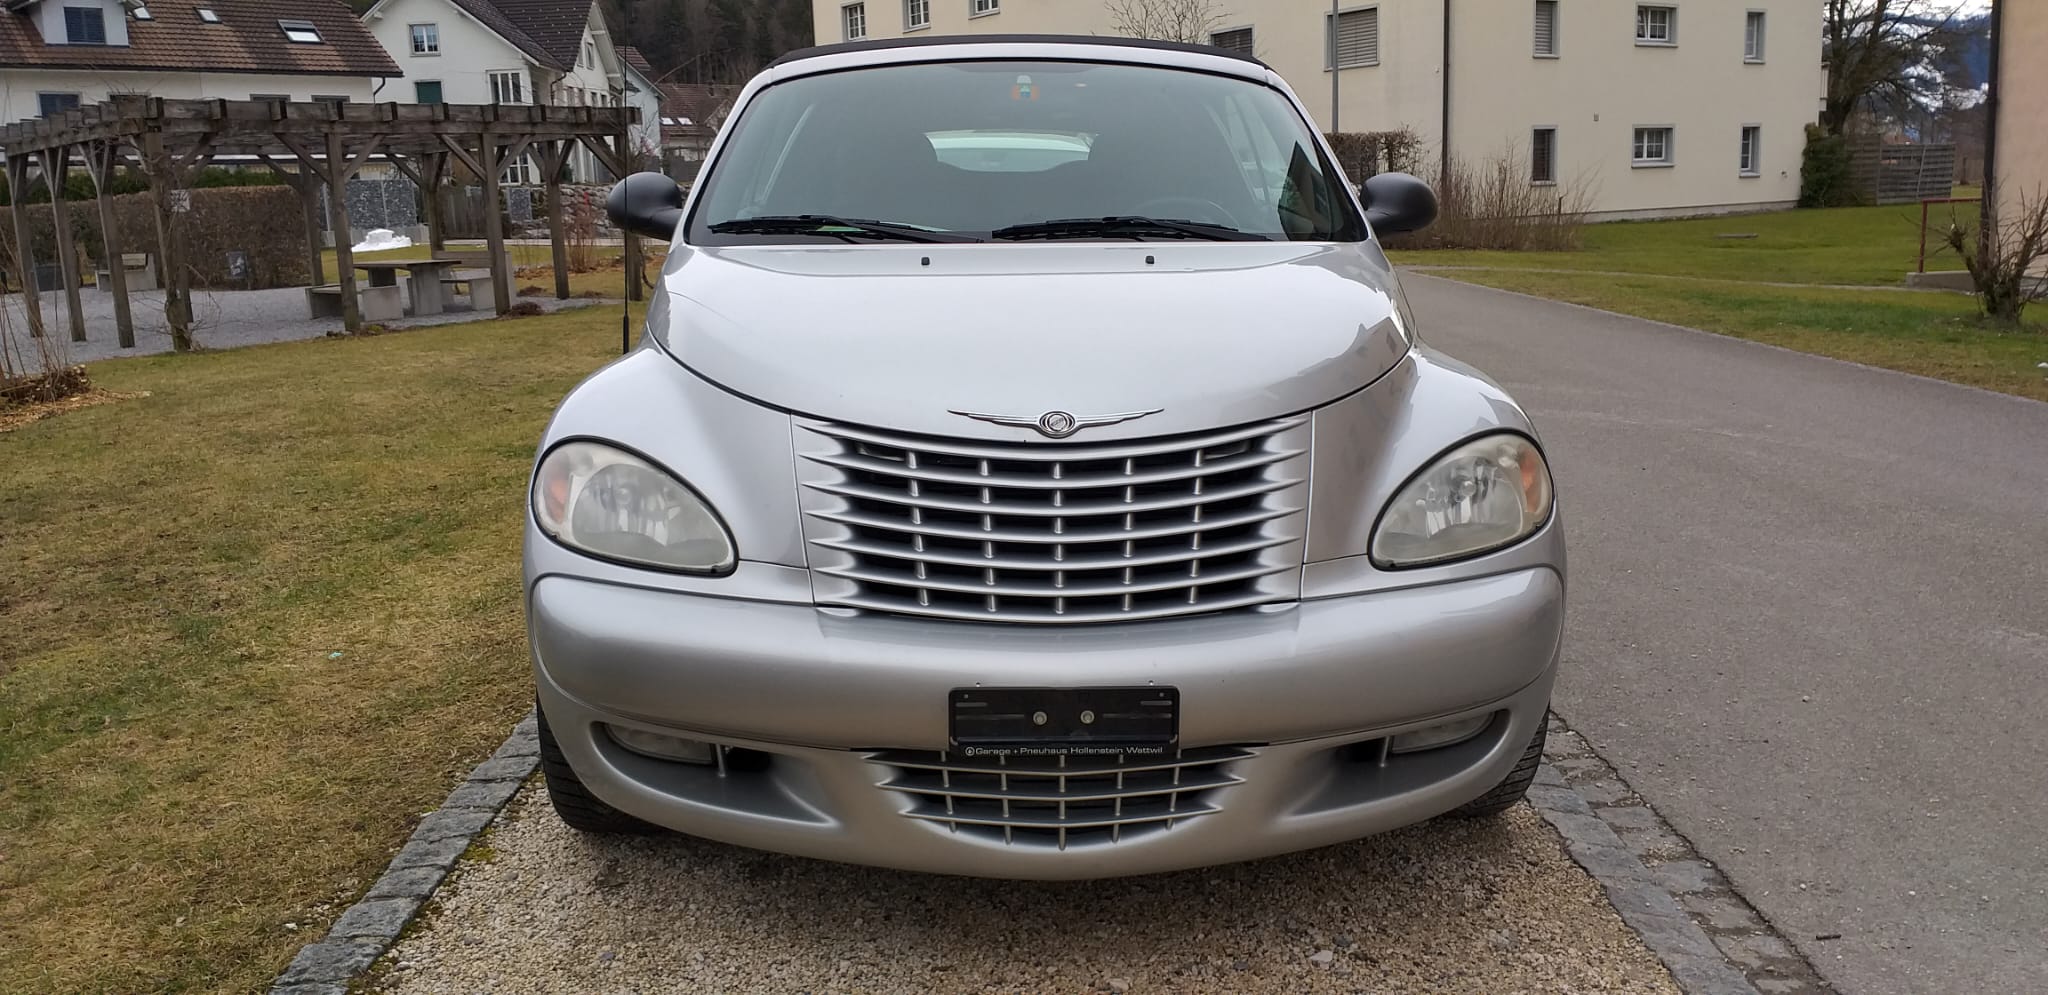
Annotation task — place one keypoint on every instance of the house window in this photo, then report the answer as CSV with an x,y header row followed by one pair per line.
x,y
1357,38
335,99
426,39
1237,40
590,55
853,20
1753,37
917,14
1546,29
985,7
141,13
300,32
1656,25
85,26
1653,147
1752,150
52,104
508,86
1543,155
207,15
270,96
426,91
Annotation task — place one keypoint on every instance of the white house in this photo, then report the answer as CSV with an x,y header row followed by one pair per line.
x,y
60,54
503,51
643,93
1664,107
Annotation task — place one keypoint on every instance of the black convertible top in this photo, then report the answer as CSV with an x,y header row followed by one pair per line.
x,y
929,40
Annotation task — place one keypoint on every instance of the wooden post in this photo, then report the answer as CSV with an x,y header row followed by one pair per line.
x,y
337,208
24,254
490,163
634,267
436,170
552,155
100,158
309,204
56,170
166,181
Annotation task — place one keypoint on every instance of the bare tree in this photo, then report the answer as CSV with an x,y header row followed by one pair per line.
x,y
1190,21
1881,55
2003,255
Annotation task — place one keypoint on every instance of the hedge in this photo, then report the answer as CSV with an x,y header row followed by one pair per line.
x,y
262,221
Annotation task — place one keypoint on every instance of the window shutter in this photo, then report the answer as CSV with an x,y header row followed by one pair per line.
x,y
1543,156
1238,40
1546,27
1358,37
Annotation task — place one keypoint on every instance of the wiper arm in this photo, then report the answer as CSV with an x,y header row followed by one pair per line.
x,y
825,224
1127,226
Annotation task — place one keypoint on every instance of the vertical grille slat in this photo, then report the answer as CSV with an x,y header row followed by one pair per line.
x,y
1054,532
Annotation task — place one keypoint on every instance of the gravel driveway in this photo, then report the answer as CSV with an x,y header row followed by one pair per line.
x,y
1492,907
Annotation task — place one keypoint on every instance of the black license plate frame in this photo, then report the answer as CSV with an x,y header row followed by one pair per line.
x,y
1130,722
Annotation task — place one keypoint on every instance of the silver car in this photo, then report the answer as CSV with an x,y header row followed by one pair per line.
x,y
1077,502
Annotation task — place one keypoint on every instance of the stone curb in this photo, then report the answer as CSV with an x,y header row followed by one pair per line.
x,y
1689,915
373,923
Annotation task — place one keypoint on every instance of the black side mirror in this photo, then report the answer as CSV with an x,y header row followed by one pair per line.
x,y
646,204
1398,202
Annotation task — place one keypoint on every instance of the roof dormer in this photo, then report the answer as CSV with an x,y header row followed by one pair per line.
x,y
93,23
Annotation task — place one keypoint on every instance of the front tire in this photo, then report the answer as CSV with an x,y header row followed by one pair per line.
x,y
1511,788
577,807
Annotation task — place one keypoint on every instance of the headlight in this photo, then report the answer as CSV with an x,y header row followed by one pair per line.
x,y
611,503
1488,493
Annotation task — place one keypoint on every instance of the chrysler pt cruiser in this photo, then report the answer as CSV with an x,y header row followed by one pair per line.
x,y
1031,469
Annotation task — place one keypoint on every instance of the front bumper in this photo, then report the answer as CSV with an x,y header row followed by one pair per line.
x,y
1304,690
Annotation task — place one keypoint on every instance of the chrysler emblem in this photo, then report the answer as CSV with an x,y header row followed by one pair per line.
x,y
1058,424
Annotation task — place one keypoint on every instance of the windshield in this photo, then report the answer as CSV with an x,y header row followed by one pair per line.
x,y
988,148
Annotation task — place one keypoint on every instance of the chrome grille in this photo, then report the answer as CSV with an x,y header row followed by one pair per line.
x,y
1054,532
1060,801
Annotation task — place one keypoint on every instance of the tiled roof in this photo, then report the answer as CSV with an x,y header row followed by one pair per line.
x,y
548,31
632,57
247,40
703,105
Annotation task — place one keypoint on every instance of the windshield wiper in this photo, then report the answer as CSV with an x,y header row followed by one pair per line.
x,y
1125,226
826,224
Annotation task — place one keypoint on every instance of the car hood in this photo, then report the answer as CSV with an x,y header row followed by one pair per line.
x,y
903,336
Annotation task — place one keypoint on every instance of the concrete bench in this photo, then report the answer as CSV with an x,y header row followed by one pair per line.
x,y
138,267
372,303
476,284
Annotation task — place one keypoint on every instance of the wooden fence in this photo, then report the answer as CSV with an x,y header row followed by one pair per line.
x,y
1902,174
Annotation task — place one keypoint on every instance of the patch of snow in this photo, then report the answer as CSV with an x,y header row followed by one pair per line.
x,y
380,239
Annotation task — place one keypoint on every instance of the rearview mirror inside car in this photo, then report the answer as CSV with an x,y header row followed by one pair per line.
x,y
646,204
1398,202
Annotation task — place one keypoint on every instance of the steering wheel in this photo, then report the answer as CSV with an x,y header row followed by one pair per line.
x,y
1188,208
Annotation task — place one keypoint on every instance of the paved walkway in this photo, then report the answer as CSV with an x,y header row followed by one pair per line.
x,y
1808,624
221,320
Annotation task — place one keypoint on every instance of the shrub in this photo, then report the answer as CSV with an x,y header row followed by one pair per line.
x,y
1367,153
1825,176
1493,205
222,219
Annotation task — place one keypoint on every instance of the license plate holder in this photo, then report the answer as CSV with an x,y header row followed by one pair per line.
x,y
1047,722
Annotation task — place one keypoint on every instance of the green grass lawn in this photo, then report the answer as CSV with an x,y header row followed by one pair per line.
x,y
1862,246
1685,272
255,623
1932,334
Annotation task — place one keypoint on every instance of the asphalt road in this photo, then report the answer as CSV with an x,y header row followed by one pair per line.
x,y
1809,624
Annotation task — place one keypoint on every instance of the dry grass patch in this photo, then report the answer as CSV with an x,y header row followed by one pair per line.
x,y
257,619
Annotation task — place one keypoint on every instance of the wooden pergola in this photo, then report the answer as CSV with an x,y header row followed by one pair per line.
x,y
170,140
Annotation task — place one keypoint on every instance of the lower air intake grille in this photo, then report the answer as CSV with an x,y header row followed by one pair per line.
x,y
1054,531
1060,801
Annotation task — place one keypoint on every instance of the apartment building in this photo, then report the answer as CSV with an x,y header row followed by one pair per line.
x,y
1657,109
